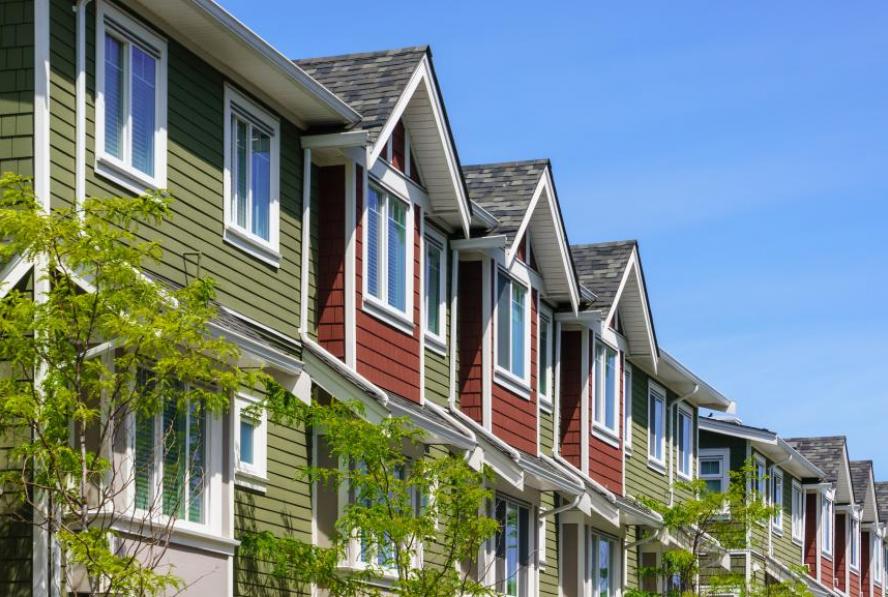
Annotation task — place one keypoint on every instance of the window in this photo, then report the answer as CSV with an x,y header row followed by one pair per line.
x,y
877,558
605,387
798,512
601,563
685,443
761,480
826,525
170,460
387,252
512,548
714,470
435,295
130,102
627,405
511,329
854,544
545,377
252,173
251,437
656,426
777,499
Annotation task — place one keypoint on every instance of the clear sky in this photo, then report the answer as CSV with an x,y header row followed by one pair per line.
x,y
744,144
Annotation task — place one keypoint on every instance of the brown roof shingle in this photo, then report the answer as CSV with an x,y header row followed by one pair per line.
x,y
600,268
505,190
825,452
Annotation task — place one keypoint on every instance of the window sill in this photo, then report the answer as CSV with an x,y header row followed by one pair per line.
x,y
657,466
777,530
250,480
511,383
127,177
180,532
545,404
798,540
828,556
252,246
684,476
388,315
436,344
606,435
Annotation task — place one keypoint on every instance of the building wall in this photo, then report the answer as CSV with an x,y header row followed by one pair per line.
x,y
865,572
329,300
810,547
605,460
17,87
470,330
437,364
571,390
839,556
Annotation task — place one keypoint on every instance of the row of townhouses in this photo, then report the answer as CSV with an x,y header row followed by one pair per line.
x,y
356,258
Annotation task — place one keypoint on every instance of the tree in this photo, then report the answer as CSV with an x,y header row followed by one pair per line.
x,y
398,508
710,522
91,347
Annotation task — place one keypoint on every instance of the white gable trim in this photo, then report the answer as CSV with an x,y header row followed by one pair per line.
x,y
633,268
423,75
13,273
545,184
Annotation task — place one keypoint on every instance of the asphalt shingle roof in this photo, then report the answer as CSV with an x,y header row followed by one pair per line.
x,y
882,499
825,452
370,82
860,476
504,190
600,268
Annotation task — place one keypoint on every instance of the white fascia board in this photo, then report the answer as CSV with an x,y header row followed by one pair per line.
x,y
765,438
437,432
275,359
633,267
480,243
13,273
356,138
549,477
342,388
721,402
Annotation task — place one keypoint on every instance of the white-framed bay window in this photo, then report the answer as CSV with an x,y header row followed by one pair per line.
x,y
606,376
826,524
435,290
798,512
546,352
388,254
656,426
176,457
512,318
685,439
777,499
250,443
131,101
252,177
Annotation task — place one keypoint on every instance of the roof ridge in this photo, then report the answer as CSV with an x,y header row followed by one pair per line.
x,y
357,55
546,161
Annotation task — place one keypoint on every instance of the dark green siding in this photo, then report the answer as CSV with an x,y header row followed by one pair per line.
x,y
17,87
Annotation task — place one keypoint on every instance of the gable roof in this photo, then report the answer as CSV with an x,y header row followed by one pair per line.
x,y
881,488
600,267
370,82
505,190
860,478
829,454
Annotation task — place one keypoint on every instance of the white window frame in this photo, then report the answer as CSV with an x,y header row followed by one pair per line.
x,y
265,250
827,523
122,171
854,540
502,375
876,556
438,341
378,305
777,486
255,475
658,393
760,483
599,410
593,542
723,455
798,512
545,318
627,404
527,575
685,413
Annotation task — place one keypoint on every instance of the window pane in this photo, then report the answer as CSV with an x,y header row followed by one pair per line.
x,y
610,387
685,442
519,295
113,97
714,485
261,183
433,288
246,441
239,133
598,383
174,430
511,539
196,462
144,446
710,467
604,564
374,248
544,356
502,321
144,72
397,255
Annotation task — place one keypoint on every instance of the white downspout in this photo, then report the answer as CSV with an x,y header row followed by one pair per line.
x,y
306,241
673,428
80,106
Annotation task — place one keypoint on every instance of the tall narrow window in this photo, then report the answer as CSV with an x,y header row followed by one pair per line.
x,y
386,251
855,542
544,376
761,480
435,277
606,387
627,405
130,102
656,426
512,548
511,330
826,525
777,499
685,443
250,443
251,177
798,508
601,563
877,552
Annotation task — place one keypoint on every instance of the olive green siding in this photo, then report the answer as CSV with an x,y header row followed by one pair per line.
x,y
547,431
631,579
192,239
17,87
284,509
549,573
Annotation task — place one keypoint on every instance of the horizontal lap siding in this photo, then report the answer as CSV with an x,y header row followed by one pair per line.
x,y
549,574
786,550
285,509
605,460
17,87
15,534
811,533
515,417
387,356
547,431
641,480
469,332
853,584
195,180
839,553
571,395
330,297
437,365
826,571
865,564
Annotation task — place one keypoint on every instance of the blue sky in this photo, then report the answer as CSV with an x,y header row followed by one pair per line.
x,y
744,144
